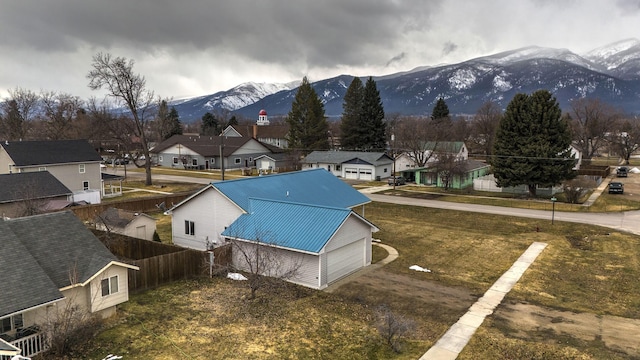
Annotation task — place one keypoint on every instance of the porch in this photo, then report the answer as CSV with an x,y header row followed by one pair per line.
x,y
31,341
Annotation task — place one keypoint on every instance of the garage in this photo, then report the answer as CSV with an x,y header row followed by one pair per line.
x,y
345,260
365,174
351,173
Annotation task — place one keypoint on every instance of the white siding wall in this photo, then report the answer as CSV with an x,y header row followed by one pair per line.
x,y
70,176
211,212
352,230
379,171
306,265
141,220
250,147
99,302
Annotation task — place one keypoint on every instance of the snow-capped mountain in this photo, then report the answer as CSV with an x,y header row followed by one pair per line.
x,y
611,73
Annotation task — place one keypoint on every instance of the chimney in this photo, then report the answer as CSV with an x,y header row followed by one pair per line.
x,y
255,131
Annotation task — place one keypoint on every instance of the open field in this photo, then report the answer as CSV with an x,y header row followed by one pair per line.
x,y
585,270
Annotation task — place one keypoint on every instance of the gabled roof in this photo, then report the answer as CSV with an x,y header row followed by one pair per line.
x,y
269,222
207,146
263,131
315,186
45,253
33,153
339,157
276,156
30,186
118,218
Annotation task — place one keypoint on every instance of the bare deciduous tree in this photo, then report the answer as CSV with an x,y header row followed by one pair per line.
x,y
115,74
60,114
625,140
573,189
393,327
19,110
590,121
483,127
263,261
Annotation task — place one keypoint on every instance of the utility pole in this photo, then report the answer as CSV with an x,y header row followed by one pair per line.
x,y
222,156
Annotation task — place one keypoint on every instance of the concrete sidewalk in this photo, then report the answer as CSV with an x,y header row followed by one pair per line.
x,y
449,346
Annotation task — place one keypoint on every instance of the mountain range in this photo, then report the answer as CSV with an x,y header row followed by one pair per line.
x,y
610,73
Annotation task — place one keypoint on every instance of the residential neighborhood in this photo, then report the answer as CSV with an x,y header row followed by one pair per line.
x,y
132,231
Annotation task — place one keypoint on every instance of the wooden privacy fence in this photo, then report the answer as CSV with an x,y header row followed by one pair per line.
x,y
89,212
161,263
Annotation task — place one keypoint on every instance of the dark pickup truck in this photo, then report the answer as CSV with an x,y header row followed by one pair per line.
x,y
622,171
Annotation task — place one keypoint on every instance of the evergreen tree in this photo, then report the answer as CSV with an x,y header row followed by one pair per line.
x,y
373,118
210,125
440,110
308,127
350,128
233,121
532,143
175,126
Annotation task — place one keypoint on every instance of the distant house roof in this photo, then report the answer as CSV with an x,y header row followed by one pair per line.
x,y
452,147
275,157
118,218
33,153
269,222
315,186
339,157
208,146
466,166
30,186
263,132
45,253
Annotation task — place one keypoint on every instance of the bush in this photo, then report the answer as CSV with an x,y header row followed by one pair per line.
x,y
156,237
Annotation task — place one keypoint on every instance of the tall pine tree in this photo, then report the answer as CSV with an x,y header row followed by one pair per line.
x,y
210,126
373,118
308,127
174,124
350,128
440,110
532,143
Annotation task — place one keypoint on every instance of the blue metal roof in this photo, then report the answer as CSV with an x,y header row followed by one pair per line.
x,y
315,186
289,225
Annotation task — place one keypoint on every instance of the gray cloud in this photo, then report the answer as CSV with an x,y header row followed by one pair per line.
x,y
194,47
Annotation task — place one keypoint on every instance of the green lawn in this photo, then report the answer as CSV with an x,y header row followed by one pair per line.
x,y
584,269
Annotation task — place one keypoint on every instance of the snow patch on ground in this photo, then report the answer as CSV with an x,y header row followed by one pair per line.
x,y
418,268
236,276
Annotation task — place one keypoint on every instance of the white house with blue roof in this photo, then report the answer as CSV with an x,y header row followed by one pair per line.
x,y
306,215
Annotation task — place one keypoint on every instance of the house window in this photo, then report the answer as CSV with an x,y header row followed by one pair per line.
x,y
337,167
85,185
42,168
109,285
189,227
175,160
11,323
385,169
212,161
81,168
159,158
194,162
237,160
329,167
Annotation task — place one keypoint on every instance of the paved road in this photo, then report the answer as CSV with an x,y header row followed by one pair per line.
x,y
628,221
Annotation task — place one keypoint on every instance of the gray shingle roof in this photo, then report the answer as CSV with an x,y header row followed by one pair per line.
x,y
339,157
30,153
30,185
42,254
118,218
207,146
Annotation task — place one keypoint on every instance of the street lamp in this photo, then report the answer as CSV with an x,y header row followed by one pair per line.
x,y
553,208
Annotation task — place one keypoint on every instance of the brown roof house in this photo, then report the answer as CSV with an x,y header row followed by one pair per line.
x,y
129,223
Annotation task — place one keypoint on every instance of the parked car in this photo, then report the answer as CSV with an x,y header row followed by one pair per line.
x,y
622,171
616,188
399,180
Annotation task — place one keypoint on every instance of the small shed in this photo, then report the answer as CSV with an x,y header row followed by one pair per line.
x,y
129,223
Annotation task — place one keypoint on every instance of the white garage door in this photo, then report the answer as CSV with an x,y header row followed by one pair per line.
x,y
350,173
345,260
366,174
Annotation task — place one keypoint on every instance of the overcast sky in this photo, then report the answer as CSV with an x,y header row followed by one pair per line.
x,y
196,47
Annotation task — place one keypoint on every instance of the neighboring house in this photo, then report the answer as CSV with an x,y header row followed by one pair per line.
x,y
488,183
465,173
576,154
129,223
306,215
277,162
31,193
75,163
262,131
355,165
203,152
407,160
50,264
275,135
